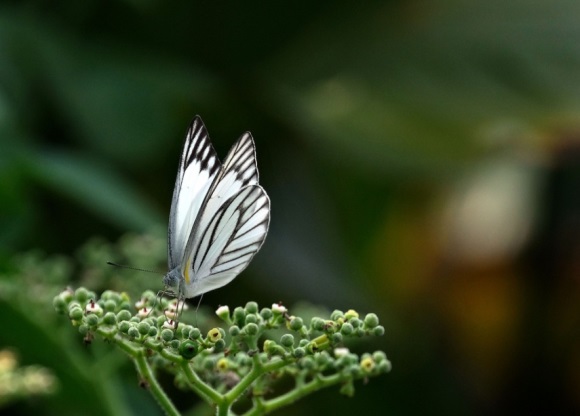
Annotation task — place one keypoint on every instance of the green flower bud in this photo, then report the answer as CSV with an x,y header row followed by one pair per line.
x,y
143,328
303,343
330,327
379,356
66,295
384,366
152,331
322,358
359,332
184,331
133,332
213,335
92,319
351,313
166,335
194,333
356,323
188,349
135,319
355,370
251,319
59,304
266,313
296,323
234,330
307,363
209,363
219,345
126,306
379,331
110,318
252,307
82,294
371,320
75,313
161,320
110,295
317,324
123,315
83,329
251,329
124,327
336,338
346,329
243,359
299,352
336,314
110,305
239,315
175,344
287,340
268,345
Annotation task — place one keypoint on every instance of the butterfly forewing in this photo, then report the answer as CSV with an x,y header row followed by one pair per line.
x,y
198,168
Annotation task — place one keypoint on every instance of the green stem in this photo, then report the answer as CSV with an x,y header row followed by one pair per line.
x,y
144,370
203,390
262,407
153,386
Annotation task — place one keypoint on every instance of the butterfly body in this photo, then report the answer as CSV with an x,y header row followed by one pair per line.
x,y
219,214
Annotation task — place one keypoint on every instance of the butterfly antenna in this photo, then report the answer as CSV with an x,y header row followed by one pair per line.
x,y
110,263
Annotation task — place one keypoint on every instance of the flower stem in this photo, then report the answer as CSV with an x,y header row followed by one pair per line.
x,y
153,386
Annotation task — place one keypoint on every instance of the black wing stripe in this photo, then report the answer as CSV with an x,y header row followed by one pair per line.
x,y
197,148
260,224
243,160
233,266
216,224
227,259
233,209
238,249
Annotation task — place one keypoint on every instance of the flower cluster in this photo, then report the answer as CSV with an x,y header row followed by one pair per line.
x,y
20,382
222,363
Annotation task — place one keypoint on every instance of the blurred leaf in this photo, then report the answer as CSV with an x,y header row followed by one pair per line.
x,y
95,186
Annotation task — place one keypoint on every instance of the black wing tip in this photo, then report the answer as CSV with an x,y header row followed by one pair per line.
x,y
195,122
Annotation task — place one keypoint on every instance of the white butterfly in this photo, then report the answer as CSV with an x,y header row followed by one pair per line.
x,y
219,214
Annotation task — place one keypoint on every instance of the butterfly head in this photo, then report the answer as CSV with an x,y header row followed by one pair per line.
x,y
172,280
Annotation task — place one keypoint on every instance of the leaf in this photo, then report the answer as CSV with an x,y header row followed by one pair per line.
x,y
95,186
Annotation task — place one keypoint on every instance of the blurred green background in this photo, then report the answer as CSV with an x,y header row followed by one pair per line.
x,y
422,159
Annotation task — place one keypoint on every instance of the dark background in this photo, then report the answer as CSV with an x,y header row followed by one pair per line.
x,y
422,159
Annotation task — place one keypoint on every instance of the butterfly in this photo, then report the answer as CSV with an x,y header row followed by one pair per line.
x,y
219,215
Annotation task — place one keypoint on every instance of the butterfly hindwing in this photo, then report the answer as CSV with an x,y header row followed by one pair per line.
x,y
198,168
233,236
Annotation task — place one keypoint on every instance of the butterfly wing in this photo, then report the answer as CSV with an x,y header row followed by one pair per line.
x,y
239,170
198,167
232,237
234,218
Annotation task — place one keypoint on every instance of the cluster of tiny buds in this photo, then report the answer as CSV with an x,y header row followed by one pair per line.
x,y
313,346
